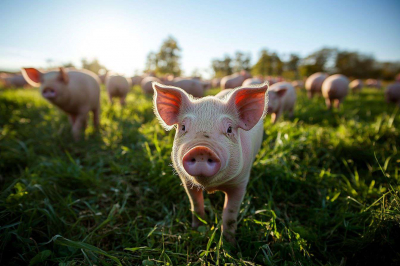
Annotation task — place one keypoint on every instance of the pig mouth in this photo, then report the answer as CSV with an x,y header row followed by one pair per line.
x,y
49,93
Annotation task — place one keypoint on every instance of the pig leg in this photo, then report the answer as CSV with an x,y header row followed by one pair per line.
x,y
337,103
196,204
79,126
233,199
275,116
110,99
71,119
310,94
291,113
122,100
96,118
328,103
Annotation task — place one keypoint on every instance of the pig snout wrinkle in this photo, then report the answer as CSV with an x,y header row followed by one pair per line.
x,y
201,162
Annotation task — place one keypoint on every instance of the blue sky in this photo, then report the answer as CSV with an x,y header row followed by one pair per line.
x,y
121,33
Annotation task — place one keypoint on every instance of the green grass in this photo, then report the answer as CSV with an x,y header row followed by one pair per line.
x,y
324,189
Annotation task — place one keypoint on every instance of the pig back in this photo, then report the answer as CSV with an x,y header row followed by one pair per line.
x,y
84,89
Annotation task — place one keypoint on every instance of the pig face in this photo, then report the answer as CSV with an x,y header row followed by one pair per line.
x,y
275,97
207,147
52,84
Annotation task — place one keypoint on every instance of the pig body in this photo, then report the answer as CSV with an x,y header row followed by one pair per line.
x,y
76,92
192,86
234,80
314,84
146,84
117,87
356,85
216,141
216,82
15,81
282,98
251,81
392,93
136,80
335,89
373,83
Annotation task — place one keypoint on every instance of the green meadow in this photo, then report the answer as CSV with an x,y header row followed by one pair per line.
x,y
324,189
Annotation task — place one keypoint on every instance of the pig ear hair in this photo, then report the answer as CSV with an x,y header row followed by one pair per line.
x,y
63,75
32,76
251,103
168,102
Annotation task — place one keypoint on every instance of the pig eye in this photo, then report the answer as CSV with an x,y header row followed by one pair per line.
x,y
229,130
183,128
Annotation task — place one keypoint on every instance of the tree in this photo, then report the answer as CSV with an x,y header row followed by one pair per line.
x,y
319,61
241,62
93,65
222,67
166,61
268,64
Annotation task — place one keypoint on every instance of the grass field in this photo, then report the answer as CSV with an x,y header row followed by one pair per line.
x,y
324,189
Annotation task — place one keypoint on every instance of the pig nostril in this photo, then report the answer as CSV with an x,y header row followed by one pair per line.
x,y
193,160
210,161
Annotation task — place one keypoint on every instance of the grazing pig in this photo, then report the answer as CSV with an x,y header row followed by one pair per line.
x,y
192,86
335,89
234,80
282,97
216,141
216,82
251,81
373,83
314,83
76,92
14,81
356,85
136,80
392,93
146,84
117,87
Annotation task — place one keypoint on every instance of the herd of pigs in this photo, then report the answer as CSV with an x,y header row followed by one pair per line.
x,y
217,137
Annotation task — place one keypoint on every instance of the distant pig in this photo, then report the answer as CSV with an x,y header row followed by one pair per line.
x,y
334,90
282,97
136,80
392,93
252,81
191,86
216,82
117,87
356,85
216,141
146,84
76,92
234,80
314,83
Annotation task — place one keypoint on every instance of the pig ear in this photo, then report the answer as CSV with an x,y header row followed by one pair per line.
x,y
251,104
32,76
281,92
168,103
63,75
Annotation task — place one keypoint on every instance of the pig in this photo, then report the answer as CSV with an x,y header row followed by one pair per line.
x,y
373,83
76,92
392,93
191,86
356,85
216,82
398,77
146,84
335,89
117,87
216,141
298,84
136,80
271,80
251,81
14,81
314,83
282,97
234,80
102,78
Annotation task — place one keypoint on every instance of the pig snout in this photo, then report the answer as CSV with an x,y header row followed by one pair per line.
x,y
49,93
201,162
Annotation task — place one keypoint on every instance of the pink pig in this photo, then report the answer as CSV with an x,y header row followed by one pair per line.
x,y
216,141
76,92
282,97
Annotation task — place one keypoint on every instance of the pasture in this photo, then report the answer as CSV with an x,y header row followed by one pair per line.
x,y
324,189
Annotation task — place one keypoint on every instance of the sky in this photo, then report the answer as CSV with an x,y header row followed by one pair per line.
x,y
120,34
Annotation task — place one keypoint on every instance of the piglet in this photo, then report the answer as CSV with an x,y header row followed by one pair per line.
x,y
76,92
216,141
282,97
334,89
117,87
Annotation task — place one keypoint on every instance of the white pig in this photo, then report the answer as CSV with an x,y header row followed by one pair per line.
x,y
282,97
334,89
191,86
392,93
216,141
251,81
234,80
356,85
146,84
314,83
117,87
76,92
